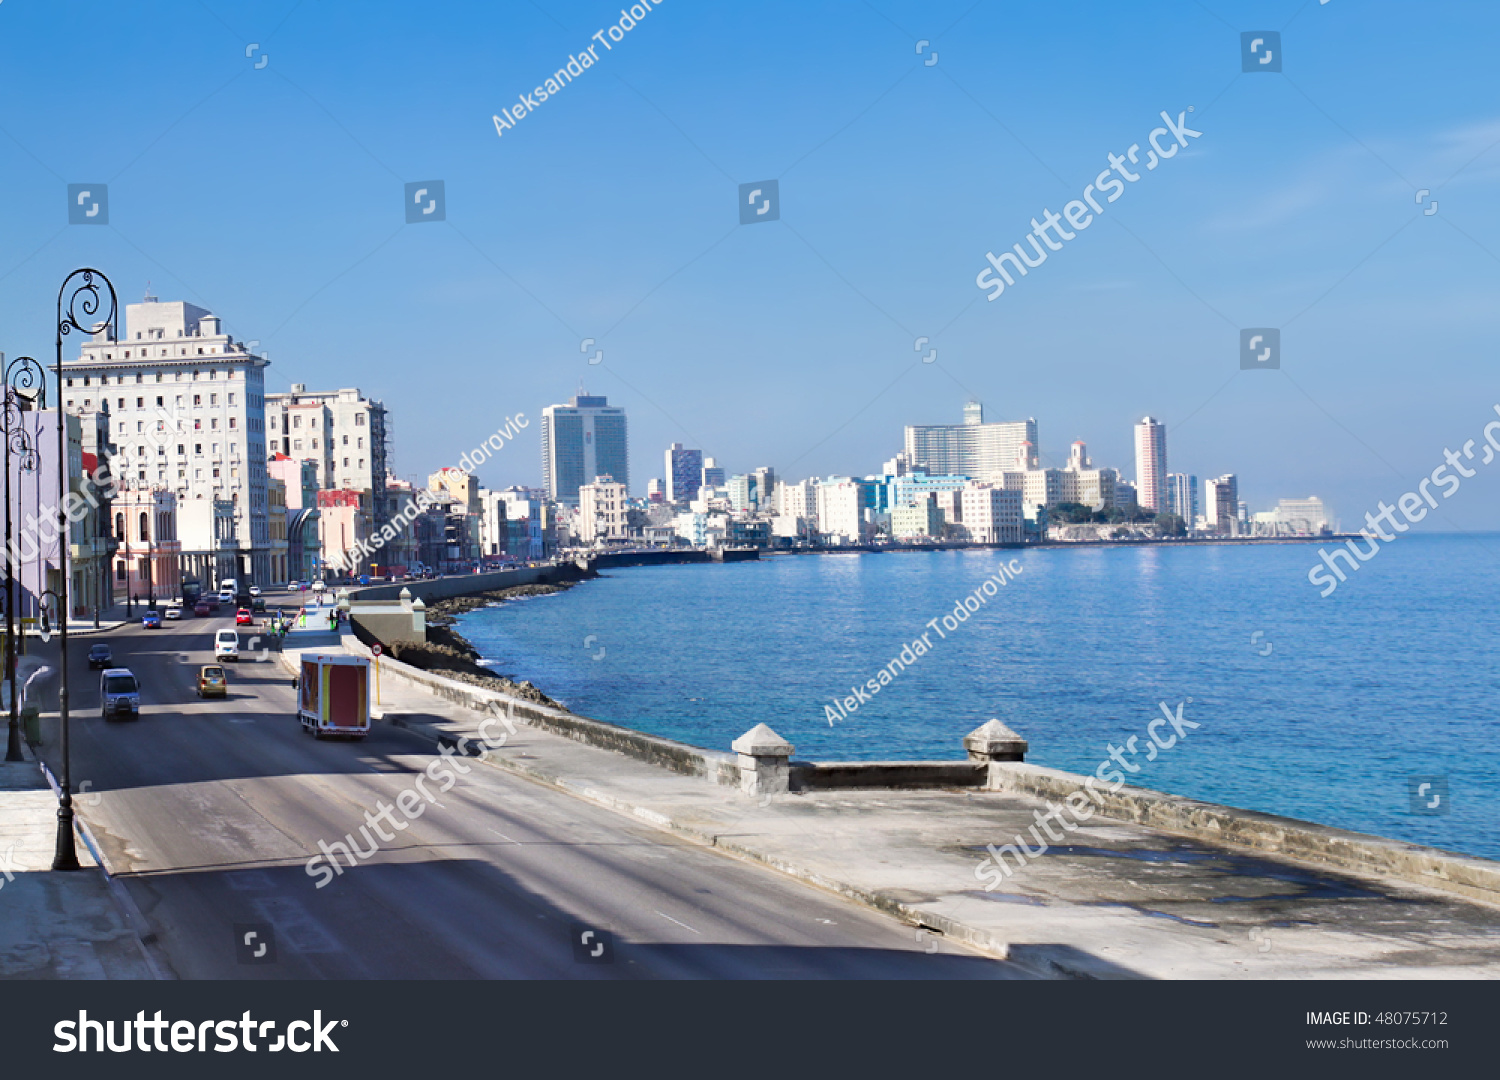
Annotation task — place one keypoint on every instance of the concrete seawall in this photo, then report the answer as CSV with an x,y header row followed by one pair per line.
x,y
472,584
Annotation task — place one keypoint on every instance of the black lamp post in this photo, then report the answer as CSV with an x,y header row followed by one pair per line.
x,y
84,299
22,373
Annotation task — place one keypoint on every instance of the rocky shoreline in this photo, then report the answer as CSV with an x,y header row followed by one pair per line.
x,y
447,652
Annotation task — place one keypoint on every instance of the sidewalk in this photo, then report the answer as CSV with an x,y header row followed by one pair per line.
x,y
55,925
1113,900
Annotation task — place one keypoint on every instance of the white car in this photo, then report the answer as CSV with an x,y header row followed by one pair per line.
x,y
227,645
318,586
255,590
173,610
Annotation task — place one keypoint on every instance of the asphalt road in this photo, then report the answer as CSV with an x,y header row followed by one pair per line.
x,y
209,810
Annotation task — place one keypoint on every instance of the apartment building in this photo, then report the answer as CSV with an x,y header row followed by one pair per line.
x,y
345,434
188,405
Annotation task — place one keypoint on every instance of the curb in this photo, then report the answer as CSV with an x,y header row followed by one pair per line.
x,y
145,937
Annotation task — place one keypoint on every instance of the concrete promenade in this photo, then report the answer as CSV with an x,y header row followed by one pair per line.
x,y
56,925
1114,899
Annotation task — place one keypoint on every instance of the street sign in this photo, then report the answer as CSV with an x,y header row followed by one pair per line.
x,y
376,649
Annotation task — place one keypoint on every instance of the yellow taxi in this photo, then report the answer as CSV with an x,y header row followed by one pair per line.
x,y
212,681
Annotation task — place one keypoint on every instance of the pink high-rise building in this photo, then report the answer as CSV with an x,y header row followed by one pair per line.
x,y
1151,465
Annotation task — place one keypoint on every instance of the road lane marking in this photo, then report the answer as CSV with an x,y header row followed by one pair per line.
x,y
684,925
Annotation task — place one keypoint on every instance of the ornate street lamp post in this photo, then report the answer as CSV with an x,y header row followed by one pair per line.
x,y
85,299
22,373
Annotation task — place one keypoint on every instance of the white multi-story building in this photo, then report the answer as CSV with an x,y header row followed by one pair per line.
x,y
973,448
189,409
1309,515
601,512
992,514
1151,465
841,505
798,500
692,527
342,432
1082,483
1294,517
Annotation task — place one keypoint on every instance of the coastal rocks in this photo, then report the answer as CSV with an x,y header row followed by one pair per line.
x,y
462,605
447,653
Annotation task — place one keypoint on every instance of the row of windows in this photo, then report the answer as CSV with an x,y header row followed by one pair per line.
x,y
140,377
358,443
161,451
312,422
144,352
161,425
143,534
140,402
161,476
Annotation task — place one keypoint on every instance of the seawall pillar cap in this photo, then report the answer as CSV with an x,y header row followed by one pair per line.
x,y
993,741
761,741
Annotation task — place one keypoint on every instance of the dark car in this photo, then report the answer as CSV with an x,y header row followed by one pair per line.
x,y
100,656
258,604
151,620
201,608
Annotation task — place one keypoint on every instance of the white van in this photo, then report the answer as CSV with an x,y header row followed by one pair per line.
x,y
227,645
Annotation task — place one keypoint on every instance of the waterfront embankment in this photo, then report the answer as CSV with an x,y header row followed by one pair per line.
x,y
1203,892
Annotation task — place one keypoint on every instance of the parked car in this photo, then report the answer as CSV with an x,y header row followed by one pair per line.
x,y
100,656
227,645
173,611
151,620
119,695
255,590
213,681
293,585
201,608
242,617
318,586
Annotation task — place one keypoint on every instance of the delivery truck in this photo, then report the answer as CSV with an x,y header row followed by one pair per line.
x,y
333,695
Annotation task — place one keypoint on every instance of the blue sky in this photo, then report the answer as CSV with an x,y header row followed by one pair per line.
x,y
274,196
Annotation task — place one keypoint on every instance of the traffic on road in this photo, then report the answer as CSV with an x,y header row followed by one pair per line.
x,y
208,806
